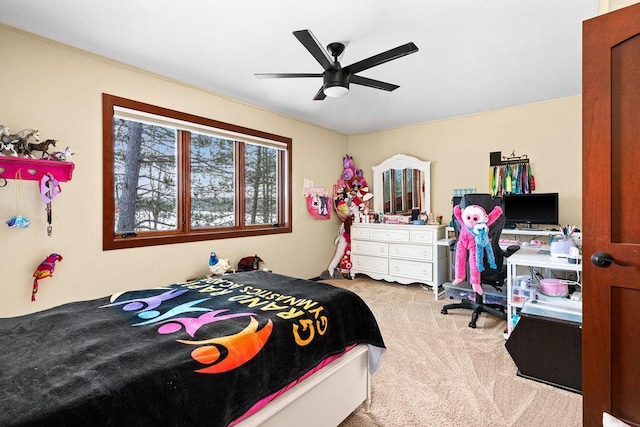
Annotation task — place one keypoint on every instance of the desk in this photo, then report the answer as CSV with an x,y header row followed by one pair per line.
x,y
530,257
527,232
522,234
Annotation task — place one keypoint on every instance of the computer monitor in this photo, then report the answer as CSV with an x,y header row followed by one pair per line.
x,y
455,200
535,208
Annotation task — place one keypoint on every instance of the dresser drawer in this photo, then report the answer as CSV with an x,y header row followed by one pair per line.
x,y
395,233
363,263
360,233
424,236
420,253
420,271
369,248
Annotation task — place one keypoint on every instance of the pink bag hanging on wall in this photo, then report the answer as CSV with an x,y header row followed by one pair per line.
x,y
318,207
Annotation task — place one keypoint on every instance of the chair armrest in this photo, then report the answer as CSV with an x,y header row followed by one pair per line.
x,y
510,250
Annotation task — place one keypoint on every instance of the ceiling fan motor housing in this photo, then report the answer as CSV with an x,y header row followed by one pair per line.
x,y
334,78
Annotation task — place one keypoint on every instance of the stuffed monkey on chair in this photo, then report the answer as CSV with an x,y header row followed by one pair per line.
x,y
474,239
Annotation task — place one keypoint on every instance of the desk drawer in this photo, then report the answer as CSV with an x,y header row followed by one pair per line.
x,y
369,248
420,253
420,271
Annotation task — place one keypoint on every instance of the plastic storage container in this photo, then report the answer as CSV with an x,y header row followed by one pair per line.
x,y
554,287
464,291
522,289
520,295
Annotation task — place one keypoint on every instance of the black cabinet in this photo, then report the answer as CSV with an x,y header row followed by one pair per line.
x,y
548,350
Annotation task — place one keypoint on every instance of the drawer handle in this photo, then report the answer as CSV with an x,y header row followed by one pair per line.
x,y
381,250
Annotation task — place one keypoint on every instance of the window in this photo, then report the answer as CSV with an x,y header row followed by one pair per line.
x,y
171,177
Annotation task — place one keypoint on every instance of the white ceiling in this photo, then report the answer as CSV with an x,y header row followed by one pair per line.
x,y
474,55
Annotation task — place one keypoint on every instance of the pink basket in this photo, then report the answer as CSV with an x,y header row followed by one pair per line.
x,y
554,287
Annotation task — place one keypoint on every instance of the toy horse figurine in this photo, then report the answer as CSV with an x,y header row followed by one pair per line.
x,y
17,144
44,270
42,146
29,133
12,143
4,135
61,156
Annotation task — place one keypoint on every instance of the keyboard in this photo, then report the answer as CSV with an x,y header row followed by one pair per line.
x,y
508,242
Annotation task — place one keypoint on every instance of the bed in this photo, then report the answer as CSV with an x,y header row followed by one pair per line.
x,y
246,349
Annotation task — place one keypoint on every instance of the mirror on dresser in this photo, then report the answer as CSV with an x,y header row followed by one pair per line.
x,y
401,183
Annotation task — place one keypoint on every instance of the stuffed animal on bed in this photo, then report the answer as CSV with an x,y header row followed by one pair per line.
x,y
218,266
474,239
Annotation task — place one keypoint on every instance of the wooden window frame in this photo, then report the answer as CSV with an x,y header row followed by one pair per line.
x,y
184,233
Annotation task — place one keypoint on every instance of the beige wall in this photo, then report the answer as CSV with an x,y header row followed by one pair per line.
x,y
606,6
549,133
58,90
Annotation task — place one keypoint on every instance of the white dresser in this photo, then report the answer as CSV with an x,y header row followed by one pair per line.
x,y
399,253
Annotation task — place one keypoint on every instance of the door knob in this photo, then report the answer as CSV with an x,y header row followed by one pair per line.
x,y
604,260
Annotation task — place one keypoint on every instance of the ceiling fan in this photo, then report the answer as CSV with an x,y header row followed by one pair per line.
x,y
337,78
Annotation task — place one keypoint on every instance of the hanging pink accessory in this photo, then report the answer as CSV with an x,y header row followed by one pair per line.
x,y
49,189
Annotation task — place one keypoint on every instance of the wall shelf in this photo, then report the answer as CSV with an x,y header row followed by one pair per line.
x,y
33,169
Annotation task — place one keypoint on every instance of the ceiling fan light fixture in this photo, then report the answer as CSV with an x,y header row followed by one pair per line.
x,y
335,90
336,83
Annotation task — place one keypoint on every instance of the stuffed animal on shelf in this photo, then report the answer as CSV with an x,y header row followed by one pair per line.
x,y
473,239
44,270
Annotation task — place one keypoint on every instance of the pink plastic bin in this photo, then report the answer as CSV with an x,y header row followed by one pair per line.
x,y
554,287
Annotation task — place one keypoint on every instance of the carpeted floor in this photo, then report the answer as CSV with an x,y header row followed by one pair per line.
x,y
439,372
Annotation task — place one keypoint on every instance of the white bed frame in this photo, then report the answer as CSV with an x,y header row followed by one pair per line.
x,y
324,399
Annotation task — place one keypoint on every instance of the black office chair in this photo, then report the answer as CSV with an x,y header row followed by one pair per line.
x,y
494,277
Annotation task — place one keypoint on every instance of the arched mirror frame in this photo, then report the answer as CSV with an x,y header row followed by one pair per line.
x,y
397,162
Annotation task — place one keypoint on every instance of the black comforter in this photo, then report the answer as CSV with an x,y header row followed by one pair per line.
x,y
201,352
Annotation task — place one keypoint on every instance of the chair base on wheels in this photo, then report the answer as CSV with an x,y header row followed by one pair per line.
x,y
477,307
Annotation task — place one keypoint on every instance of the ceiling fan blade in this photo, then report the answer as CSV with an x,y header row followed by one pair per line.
x,y
285,75
320,95
364,81
381,58
314,47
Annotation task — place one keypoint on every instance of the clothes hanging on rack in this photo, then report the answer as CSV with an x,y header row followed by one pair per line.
x,y
513,177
